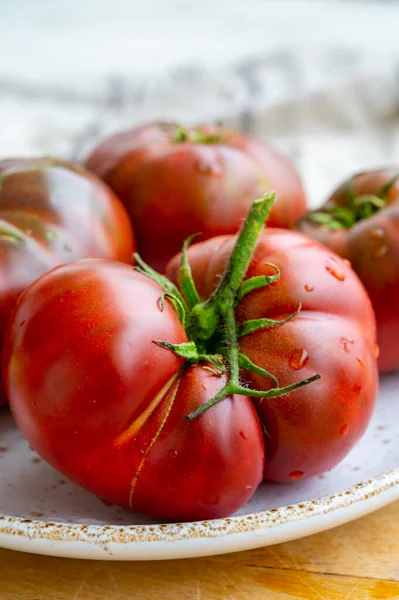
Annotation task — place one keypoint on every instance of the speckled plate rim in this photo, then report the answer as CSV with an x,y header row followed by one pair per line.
x,y
202,538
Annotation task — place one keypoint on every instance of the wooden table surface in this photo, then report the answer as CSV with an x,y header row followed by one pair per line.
x,y
357,561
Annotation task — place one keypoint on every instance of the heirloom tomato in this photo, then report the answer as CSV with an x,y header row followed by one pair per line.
x,y
177,181
360,222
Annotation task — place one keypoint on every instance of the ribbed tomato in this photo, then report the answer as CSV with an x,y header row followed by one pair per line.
x,y
178,181
312,429
107,407
360,222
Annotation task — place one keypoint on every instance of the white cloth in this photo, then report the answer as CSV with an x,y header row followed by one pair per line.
x,y
319,79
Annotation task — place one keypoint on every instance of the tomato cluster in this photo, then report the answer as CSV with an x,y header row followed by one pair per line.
x,y
251,356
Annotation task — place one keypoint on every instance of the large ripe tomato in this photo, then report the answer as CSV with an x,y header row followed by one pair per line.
x,y
52,212
312,429
175,182
104,404
107,407
360,222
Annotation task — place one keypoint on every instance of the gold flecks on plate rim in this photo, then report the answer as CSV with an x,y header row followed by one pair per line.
x,y
35,529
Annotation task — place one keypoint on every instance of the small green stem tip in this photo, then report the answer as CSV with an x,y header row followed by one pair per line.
x,y
185,278
195,136
336,216
10,234
229,390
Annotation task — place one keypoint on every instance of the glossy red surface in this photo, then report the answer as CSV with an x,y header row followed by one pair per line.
x,y
52,212
172,189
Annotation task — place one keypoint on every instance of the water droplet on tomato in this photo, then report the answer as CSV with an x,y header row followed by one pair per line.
x,y
376,350
296,475
172,453
298,359
381,252
335,269
356,388
243,435
344,429
309,288
346,344
206,167
377,234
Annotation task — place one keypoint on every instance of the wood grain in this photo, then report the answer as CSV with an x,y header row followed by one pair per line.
x,y
358,561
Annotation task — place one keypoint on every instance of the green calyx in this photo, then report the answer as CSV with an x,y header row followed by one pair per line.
x,y
10,234
361,207
212,332
195,136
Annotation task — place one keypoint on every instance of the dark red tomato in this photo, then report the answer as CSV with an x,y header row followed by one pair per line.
x,y
312,429
52,212
360,222
107,407
175,182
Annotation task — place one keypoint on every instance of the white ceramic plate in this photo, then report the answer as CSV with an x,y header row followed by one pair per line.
x,y
42,512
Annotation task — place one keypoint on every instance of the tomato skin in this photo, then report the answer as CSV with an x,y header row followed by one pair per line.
x,y
312,429
205,469
84,380
372,247
52,212
97,307
174,189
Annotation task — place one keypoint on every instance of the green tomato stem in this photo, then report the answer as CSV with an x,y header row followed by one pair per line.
x,y
256,324
195,136
211,323
206,316
337,217
255,283
185,277
235,359
243,391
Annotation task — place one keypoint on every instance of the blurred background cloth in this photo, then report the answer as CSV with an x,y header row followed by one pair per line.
x,y
318,79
